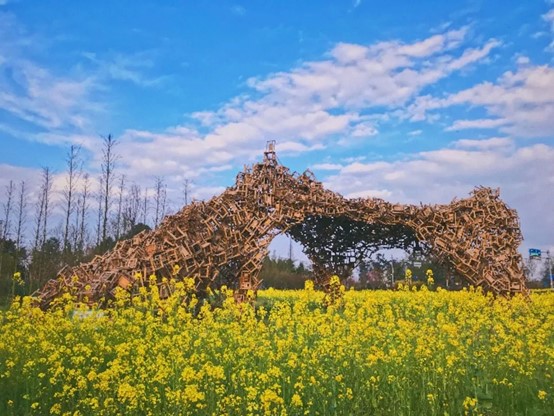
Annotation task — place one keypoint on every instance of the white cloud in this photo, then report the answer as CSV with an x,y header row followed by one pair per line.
x,y
484,144
524,176
16,173
356,76
59,106
549,17
206,192
125,67
427,47
523,60
419,108
291,147
352,159
476,124
347,53
206,118
90,143
523,100
364,129
472,55
358,167
326,166
370,193
37,96
434,44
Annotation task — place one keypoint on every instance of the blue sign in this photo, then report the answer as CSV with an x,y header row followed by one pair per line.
x,y
534,252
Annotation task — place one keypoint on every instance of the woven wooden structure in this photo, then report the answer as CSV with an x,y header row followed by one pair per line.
x,y
479,236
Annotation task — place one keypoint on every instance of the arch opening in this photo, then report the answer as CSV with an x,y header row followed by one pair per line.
x,y
339,245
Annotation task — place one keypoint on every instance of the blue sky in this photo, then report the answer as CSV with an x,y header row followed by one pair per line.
x,y
407,101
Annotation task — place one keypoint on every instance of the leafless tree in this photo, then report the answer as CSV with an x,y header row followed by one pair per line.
x,y
47,190
164,204
109,158
132,208
159,199
84,209
8,206
38,218
43,208
5,231
145,207
21,213
186,190
118,221
76,225
99,198
73,172
81,215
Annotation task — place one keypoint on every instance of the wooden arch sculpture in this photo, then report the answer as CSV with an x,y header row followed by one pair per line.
x,y
231,233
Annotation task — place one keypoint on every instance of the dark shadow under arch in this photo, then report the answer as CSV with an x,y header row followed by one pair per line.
x,y
337,245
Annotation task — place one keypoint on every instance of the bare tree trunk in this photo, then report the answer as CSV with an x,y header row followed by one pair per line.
x,y
47,187
21,217
10,188
84,210
159,199
157,190
39,215
108,166
186,190
6,225
77,225
41,226
132,208
164,203
145,207
119,207
99,222
21,213
73,173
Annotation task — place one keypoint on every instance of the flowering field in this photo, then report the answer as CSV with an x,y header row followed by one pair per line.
x,y
371,352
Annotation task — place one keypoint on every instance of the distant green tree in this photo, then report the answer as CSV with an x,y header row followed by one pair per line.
x,y
283,274
109,242
46,262
13,260
135,229
337,245
363,276
545,272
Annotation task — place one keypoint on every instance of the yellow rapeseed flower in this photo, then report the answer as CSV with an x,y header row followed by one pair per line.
x,y
296,400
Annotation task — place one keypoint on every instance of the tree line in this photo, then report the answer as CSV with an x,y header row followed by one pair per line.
x,y
42,229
